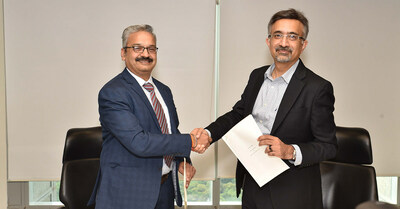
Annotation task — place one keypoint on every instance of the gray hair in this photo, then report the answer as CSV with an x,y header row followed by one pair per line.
x,y
290,14
136,28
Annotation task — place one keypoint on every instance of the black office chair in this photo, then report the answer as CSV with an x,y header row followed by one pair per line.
x,y
377,205
347,180
80,166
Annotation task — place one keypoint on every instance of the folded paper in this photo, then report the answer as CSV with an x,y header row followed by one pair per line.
x,y
242,140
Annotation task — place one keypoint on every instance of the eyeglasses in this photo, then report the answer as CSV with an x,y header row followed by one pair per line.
x,y
140,49
291,37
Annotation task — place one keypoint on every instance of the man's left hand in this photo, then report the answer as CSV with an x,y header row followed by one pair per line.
x,y
275,147
190,171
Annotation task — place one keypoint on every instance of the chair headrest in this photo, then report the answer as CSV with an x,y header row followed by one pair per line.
x,y
83,143
354,146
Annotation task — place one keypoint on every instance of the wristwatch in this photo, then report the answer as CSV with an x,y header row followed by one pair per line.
x,y
294,154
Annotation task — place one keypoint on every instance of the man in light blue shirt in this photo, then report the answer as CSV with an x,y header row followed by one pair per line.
x,y
268,101
294,109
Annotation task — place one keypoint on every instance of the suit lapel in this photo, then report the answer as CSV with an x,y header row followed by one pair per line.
x,y
253,94
289,98
139,91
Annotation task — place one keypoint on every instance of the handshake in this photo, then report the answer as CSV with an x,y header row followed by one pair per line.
x,y
201,140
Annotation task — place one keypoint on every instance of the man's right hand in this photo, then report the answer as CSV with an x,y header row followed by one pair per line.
x,y
202,138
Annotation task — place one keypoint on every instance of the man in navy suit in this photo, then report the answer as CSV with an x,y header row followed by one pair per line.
x,y
143,149
293,107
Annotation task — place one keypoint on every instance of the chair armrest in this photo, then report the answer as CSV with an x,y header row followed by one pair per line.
x,y
377,205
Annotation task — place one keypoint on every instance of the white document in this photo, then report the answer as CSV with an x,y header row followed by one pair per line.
x,y
242,140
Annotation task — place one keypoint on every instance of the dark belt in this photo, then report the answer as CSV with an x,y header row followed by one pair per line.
x,y
164,178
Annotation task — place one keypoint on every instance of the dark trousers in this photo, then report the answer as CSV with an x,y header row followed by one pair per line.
x,y
255,197
167,195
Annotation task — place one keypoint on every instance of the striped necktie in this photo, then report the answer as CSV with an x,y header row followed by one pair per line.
x,y
160,117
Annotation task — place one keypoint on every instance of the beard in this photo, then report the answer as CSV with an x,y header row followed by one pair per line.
x,y
283,58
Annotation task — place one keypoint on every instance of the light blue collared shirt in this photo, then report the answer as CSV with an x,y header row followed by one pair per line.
x,y
268,100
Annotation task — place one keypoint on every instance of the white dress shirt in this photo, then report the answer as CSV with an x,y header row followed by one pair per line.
x,y
165,168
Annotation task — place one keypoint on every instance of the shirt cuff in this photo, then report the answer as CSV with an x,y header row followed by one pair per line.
x,y
209,133
299,156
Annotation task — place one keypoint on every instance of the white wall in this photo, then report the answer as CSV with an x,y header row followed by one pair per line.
x,y
354,44
60,53
3,143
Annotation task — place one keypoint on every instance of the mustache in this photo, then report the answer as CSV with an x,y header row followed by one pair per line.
x,y
283,48
144,58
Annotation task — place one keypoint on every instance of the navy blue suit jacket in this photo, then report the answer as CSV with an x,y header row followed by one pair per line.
x,y
132,155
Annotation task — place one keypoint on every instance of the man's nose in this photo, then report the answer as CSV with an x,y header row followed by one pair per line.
x,y
284,41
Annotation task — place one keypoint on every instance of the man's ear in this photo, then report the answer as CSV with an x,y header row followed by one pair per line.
x,y
268,41
304,45
123,51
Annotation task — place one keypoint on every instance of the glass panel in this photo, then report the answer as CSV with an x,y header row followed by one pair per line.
x,y
44,193
228,192
387,189
47,193
199,192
